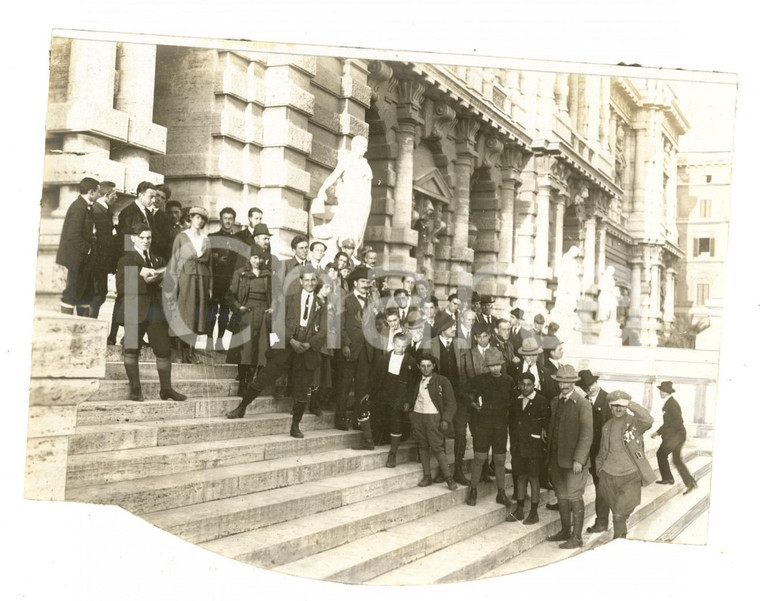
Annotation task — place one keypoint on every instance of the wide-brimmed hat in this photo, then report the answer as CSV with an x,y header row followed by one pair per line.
x,y
587,378
493,357
529,346
517,312
549,343
444,321
566,373
619,398
198,211
261,229
667,386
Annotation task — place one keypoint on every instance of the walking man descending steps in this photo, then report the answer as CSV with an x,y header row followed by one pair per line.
x,y
621,463
489,396
138,285
570,435
434,407
305,331
528,426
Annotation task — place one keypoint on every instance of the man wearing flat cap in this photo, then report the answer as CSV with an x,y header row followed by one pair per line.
x,y
488,397
601,410
673,434
621,463
570,435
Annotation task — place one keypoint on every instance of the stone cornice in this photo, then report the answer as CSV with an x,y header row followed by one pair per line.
x,y
464,101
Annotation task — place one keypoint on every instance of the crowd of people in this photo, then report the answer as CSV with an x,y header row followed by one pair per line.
x,y
394,362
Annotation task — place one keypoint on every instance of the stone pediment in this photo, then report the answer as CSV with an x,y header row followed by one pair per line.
x,y
434,184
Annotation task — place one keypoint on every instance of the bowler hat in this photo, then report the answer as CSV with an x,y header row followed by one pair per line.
x,y
479,328
261,229
517,312
358,272
198,211
493,357
529,346
667,386
444,321
566,373
587,378
486,299
618,397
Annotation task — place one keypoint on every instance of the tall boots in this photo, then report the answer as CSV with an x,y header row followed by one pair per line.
x,y
565,515
298,410
132,367
578,511
459,448
249,394
368,443
164,366
395,442
314,395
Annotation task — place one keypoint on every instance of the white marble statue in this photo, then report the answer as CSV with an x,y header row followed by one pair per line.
x,y
352,178
608,296
568,283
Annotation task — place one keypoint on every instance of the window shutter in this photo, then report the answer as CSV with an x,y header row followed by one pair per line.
x,y
712,247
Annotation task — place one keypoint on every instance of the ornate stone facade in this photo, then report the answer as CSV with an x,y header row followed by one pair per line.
x,y
483,177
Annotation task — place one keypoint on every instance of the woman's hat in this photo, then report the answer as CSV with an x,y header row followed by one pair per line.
x,y
198,211
566,373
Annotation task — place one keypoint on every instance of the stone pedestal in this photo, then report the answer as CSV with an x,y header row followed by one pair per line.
x,y
609,333
68,360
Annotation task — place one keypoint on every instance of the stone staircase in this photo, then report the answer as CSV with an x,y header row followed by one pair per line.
x,y
311,507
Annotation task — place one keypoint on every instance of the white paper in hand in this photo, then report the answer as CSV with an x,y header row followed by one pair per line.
x,y
273,339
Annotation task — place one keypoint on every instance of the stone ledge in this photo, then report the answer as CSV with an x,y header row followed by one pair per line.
x,y
463,255
52,420
69,169
307,64
357,91
407,237
326,118
287,134
66,346
82,116
284,176
290,95
327,80
353,126
147,135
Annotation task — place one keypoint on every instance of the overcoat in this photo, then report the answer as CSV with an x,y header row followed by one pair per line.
x,y
77,236
189,282
527,427
575,432
148,297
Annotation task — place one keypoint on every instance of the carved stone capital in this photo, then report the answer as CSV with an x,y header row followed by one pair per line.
x,y
410,95
379,73
492,151
466,135
513,161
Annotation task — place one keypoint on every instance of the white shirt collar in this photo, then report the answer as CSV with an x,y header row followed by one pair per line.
x,y
530,397
102,202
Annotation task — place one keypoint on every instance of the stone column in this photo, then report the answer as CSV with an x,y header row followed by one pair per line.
x,y
136,65
612,141
409,118
543,203
561,91
572,100
654,293
634,309
593,87
670,297
466,135
559,228
601,250
92,68
589,255
604,113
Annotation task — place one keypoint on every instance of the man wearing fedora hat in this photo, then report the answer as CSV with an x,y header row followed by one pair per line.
x,y
485,316
570,435
601,411
488,396
621,463
673,434
528,358
517,333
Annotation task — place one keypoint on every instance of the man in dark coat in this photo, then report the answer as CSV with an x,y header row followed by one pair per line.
x,y
290,268
106,240
140,310
162,222
246,235
137,213
673,434
485,316
76,250
599,404
570,435
529,419
516,331
433,406
300,357
223,260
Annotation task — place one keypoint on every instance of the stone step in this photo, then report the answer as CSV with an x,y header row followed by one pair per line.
x,y
309,535
115,354
653,499
483,554
110,437
118,390
216,519
180,371
668,522
696,532
160,478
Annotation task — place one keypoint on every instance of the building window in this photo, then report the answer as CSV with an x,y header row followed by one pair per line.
x,y
703,294
705,208
708,179
704,246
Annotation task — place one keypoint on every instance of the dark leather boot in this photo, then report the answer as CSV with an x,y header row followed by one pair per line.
x,y
597,527
565,519
459,476
439,477
314,396
367,444
184,351
164,366
472,496
132,367
395,442
248,397
532,515
502,498
517,514
576,540
619,528
298,409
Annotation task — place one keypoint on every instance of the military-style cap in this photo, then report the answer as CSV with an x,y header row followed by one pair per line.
x,y
619,398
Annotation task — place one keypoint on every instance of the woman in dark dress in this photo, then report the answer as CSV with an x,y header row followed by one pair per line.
x,y
250,299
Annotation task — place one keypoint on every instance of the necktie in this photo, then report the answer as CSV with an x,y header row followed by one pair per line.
x,y
362,298
147,258
306,308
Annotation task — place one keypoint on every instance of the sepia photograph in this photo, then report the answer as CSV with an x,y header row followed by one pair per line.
x,y
335,315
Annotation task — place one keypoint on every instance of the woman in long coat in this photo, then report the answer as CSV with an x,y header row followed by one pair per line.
x,y
250,298
191,274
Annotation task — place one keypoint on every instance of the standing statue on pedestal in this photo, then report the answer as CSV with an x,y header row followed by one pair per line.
x,y
352,178
568,283
606,313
